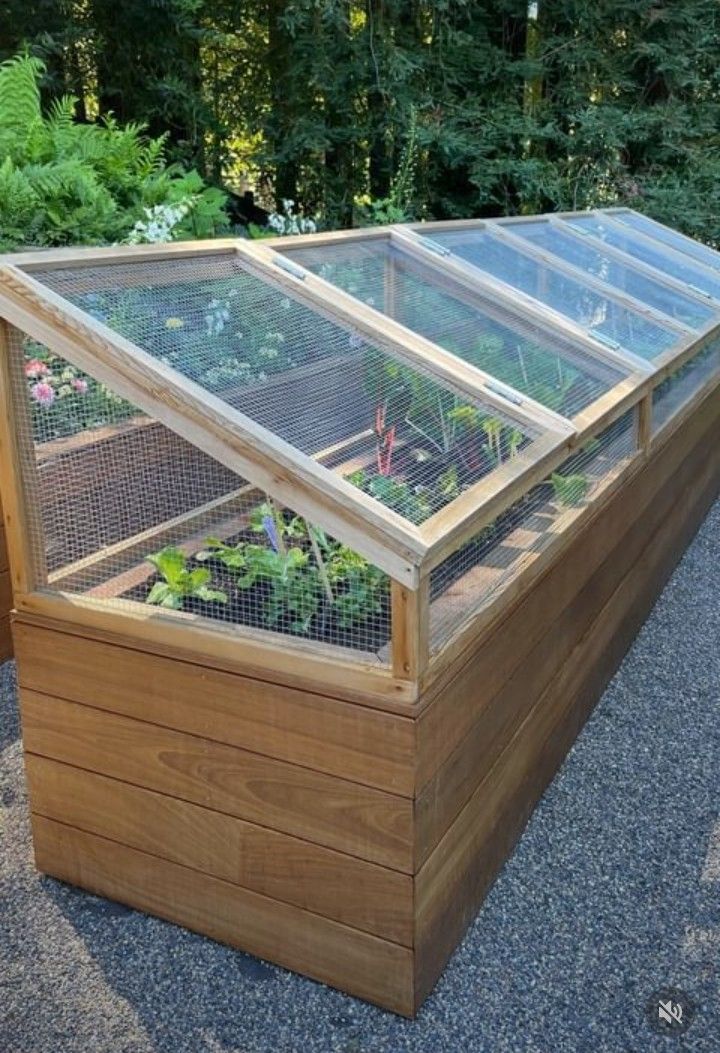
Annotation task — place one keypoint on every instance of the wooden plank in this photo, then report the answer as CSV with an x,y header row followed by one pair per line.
x,y
451,702
498,715
6,599
325,734
3,547
107,255
643,423
6,643
197,640
359,894
453,882
410,629
330,237
210,424
357,962
336,813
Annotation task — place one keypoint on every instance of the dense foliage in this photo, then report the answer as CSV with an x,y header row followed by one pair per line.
x,y
63,182
363,109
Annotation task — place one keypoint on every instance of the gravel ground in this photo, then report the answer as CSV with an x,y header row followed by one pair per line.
x,y
613,893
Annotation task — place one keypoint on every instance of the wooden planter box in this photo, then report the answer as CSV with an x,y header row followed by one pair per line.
x,y
338,812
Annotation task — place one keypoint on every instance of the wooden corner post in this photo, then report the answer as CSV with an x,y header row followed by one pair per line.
x,y
410,629
643,422
18,476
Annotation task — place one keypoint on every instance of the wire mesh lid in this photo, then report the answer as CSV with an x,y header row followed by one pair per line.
x,y
382,429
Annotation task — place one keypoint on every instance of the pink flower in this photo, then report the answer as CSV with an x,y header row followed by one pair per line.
x,y
35,368
43,394
79,385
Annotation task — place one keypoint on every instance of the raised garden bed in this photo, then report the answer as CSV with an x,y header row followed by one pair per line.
x,y
321,602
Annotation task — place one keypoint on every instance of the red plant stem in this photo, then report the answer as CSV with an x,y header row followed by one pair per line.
x,y
389,444
385,451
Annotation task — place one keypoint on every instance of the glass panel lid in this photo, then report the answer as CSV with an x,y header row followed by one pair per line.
x,y
668,236
621,275
409,441
654,253
599,314
516,352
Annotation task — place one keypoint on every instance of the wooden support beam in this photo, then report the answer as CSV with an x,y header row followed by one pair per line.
x,y
643,423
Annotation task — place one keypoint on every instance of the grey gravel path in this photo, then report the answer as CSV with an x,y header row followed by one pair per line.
x,y
613,892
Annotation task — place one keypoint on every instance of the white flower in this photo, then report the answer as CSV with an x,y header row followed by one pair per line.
x,y
289,222
159,222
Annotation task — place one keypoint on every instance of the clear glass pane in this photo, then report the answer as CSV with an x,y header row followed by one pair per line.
x,y
670,237
566,295
406,440
554,374
619,275
652,254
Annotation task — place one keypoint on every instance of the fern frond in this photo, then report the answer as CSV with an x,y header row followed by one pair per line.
x,y
20,90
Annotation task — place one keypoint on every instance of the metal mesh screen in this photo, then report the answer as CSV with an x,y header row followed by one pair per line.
x,y
126,511
678,389
469,579
516,353
407,440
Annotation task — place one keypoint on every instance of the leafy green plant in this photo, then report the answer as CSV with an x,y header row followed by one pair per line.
x,y
412,503
359,588
293,579
63,182
569,490
179,583
293,586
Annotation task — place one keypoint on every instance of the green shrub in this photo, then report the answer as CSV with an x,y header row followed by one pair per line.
x,y
63,182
